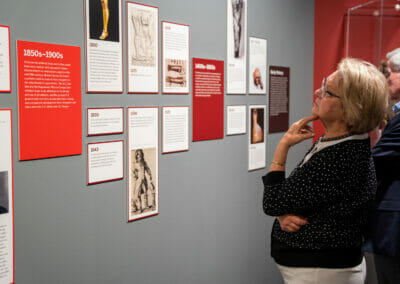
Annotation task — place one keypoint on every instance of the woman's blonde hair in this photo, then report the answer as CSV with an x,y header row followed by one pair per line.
x,y
364,93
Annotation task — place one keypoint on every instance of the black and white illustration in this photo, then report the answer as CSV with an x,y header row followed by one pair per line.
x,y
236,46
143,186
142,190
143,42
238,22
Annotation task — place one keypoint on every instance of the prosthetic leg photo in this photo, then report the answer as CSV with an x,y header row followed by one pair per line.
x,y
106,15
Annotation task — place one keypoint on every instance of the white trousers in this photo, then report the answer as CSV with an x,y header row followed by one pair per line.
x,y
315,275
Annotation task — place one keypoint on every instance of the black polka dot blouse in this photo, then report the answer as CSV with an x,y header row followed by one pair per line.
x,y
334,189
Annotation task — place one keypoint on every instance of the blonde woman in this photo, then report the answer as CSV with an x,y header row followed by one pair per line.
x,y
323,205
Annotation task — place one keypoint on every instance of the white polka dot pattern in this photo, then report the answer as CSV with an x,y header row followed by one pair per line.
x,y
334,190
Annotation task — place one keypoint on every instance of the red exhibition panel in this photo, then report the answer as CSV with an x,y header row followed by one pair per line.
x,y
208,99
49,100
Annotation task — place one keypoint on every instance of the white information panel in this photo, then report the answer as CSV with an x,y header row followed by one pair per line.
x,y
257,137
175,59
142,22
257,65
236,46
102,121
142,162
105,161
6,200
175,132
103,46
236,120
5,67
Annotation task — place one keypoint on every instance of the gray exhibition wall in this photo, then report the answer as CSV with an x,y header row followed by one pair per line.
x,y
211,227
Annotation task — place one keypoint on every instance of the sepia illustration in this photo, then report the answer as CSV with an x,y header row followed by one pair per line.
x,y
257,125
143,42
238,17
175,73
143,187
4,192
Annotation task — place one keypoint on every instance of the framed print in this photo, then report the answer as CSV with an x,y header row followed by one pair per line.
x,y
235,119
208,99
279,83
103,46
5,64
236,46
105,161
142,26
175,58
6,198
257,65
175,129
257,137
142,162
49,100
105,121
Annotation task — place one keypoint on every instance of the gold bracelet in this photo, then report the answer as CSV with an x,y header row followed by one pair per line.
x,y
277,163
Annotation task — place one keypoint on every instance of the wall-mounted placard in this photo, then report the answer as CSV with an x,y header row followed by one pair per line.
x,y
175,58
278,99
103,46
175,129
142,23
235,119
257,65
49,100
6,199
208,99
257,137
103,121
142,162
105,161
236,46
5,65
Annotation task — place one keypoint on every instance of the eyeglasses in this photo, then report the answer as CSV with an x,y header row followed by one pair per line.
x,y
325,91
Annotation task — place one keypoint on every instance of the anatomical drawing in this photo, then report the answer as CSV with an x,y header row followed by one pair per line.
x,y
143,41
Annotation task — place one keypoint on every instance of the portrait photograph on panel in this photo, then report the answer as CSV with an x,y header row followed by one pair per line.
x,y
4,192
143,182
257,125
104,20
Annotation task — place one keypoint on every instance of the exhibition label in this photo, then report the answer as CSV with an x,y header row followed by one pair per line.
x,y
49,100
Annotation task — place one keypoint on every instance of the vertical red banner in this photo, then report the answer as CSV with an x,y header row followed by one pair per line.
x,y
49,100
208,99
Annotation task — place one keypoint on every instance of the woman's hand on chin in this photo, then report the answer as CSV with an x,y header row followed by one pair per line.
x,y
299,131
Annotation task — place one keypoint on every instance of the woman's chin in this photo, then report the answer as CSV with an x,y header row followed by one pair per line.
x,y
314,111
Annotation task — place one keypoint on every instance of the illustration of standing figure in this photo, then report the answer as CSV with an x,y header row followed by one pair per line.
x,y
144,189
237,15
106,15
